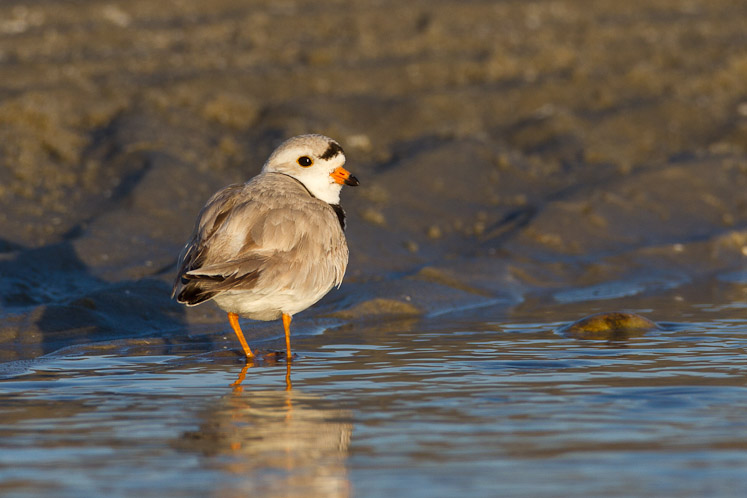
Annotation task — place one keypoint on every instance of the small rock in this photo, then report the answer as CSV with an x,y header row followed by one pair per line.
x,y
608,326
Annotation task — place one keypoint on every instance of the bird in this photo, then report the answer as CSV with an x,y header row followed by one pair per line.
x,y
275,245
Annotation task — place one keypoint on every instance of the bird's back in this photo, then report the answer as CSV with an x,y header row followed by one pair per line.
x,y
262,248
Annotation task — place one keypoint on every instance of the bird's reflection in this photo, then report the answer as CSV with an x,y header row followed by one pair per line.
x,y
238,387
275,443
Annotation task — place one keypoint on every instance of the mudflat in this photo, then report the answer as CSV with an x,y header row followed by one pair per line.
x,y
522,165
512,150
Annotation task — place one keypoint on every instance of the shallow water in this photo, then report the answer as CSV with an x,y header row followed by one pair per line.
x,y
432,407
522,165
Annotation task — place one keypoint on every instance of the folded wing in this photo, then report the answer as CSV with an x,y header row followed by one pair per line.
x,y
279,237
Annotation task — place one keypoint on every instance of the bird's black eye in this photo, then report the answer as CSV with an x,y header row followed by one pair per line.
x,y
305,161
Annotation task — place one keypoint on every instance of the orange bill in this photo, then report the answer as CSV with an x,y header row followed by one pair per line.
x,y
343,177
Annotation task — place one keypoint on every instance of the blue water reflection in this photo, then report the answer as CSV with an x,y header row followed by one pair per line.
x,y
417,408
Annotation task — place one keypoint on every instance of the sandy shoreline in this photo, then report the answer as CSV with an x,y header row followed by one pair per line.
x,y
511,151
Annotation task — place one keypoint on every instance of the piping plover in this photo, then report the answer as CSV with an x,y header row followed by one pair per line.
x,y
274,245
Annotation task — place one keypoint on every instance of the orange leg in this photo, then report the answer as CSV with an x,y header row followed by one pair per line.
x,y
233,319
286,325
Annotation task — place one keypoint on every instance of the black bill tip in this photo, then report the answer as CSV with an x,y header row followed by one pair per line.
x,y
352,181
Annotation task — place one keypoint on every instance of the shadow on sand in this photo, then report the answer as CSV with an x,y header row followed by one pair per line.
x,y
51,300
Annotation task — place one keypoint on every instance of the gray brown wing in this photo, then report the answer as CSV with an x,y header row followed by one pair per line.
x,y
193,286
273,237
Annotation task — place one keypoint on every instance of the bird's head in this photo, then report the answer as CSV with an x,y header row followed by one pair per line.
x,y
317,162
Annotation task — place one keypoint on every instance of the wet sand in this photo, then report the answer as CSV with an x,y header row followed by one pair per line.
x,y
530,162
508,150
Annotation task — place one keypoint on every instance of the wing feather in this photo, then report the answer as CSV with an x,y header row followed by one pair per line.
x,y
267,235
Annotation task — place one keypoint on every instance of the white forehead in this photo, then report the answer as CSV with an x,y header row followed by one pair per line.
x,y
316,146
